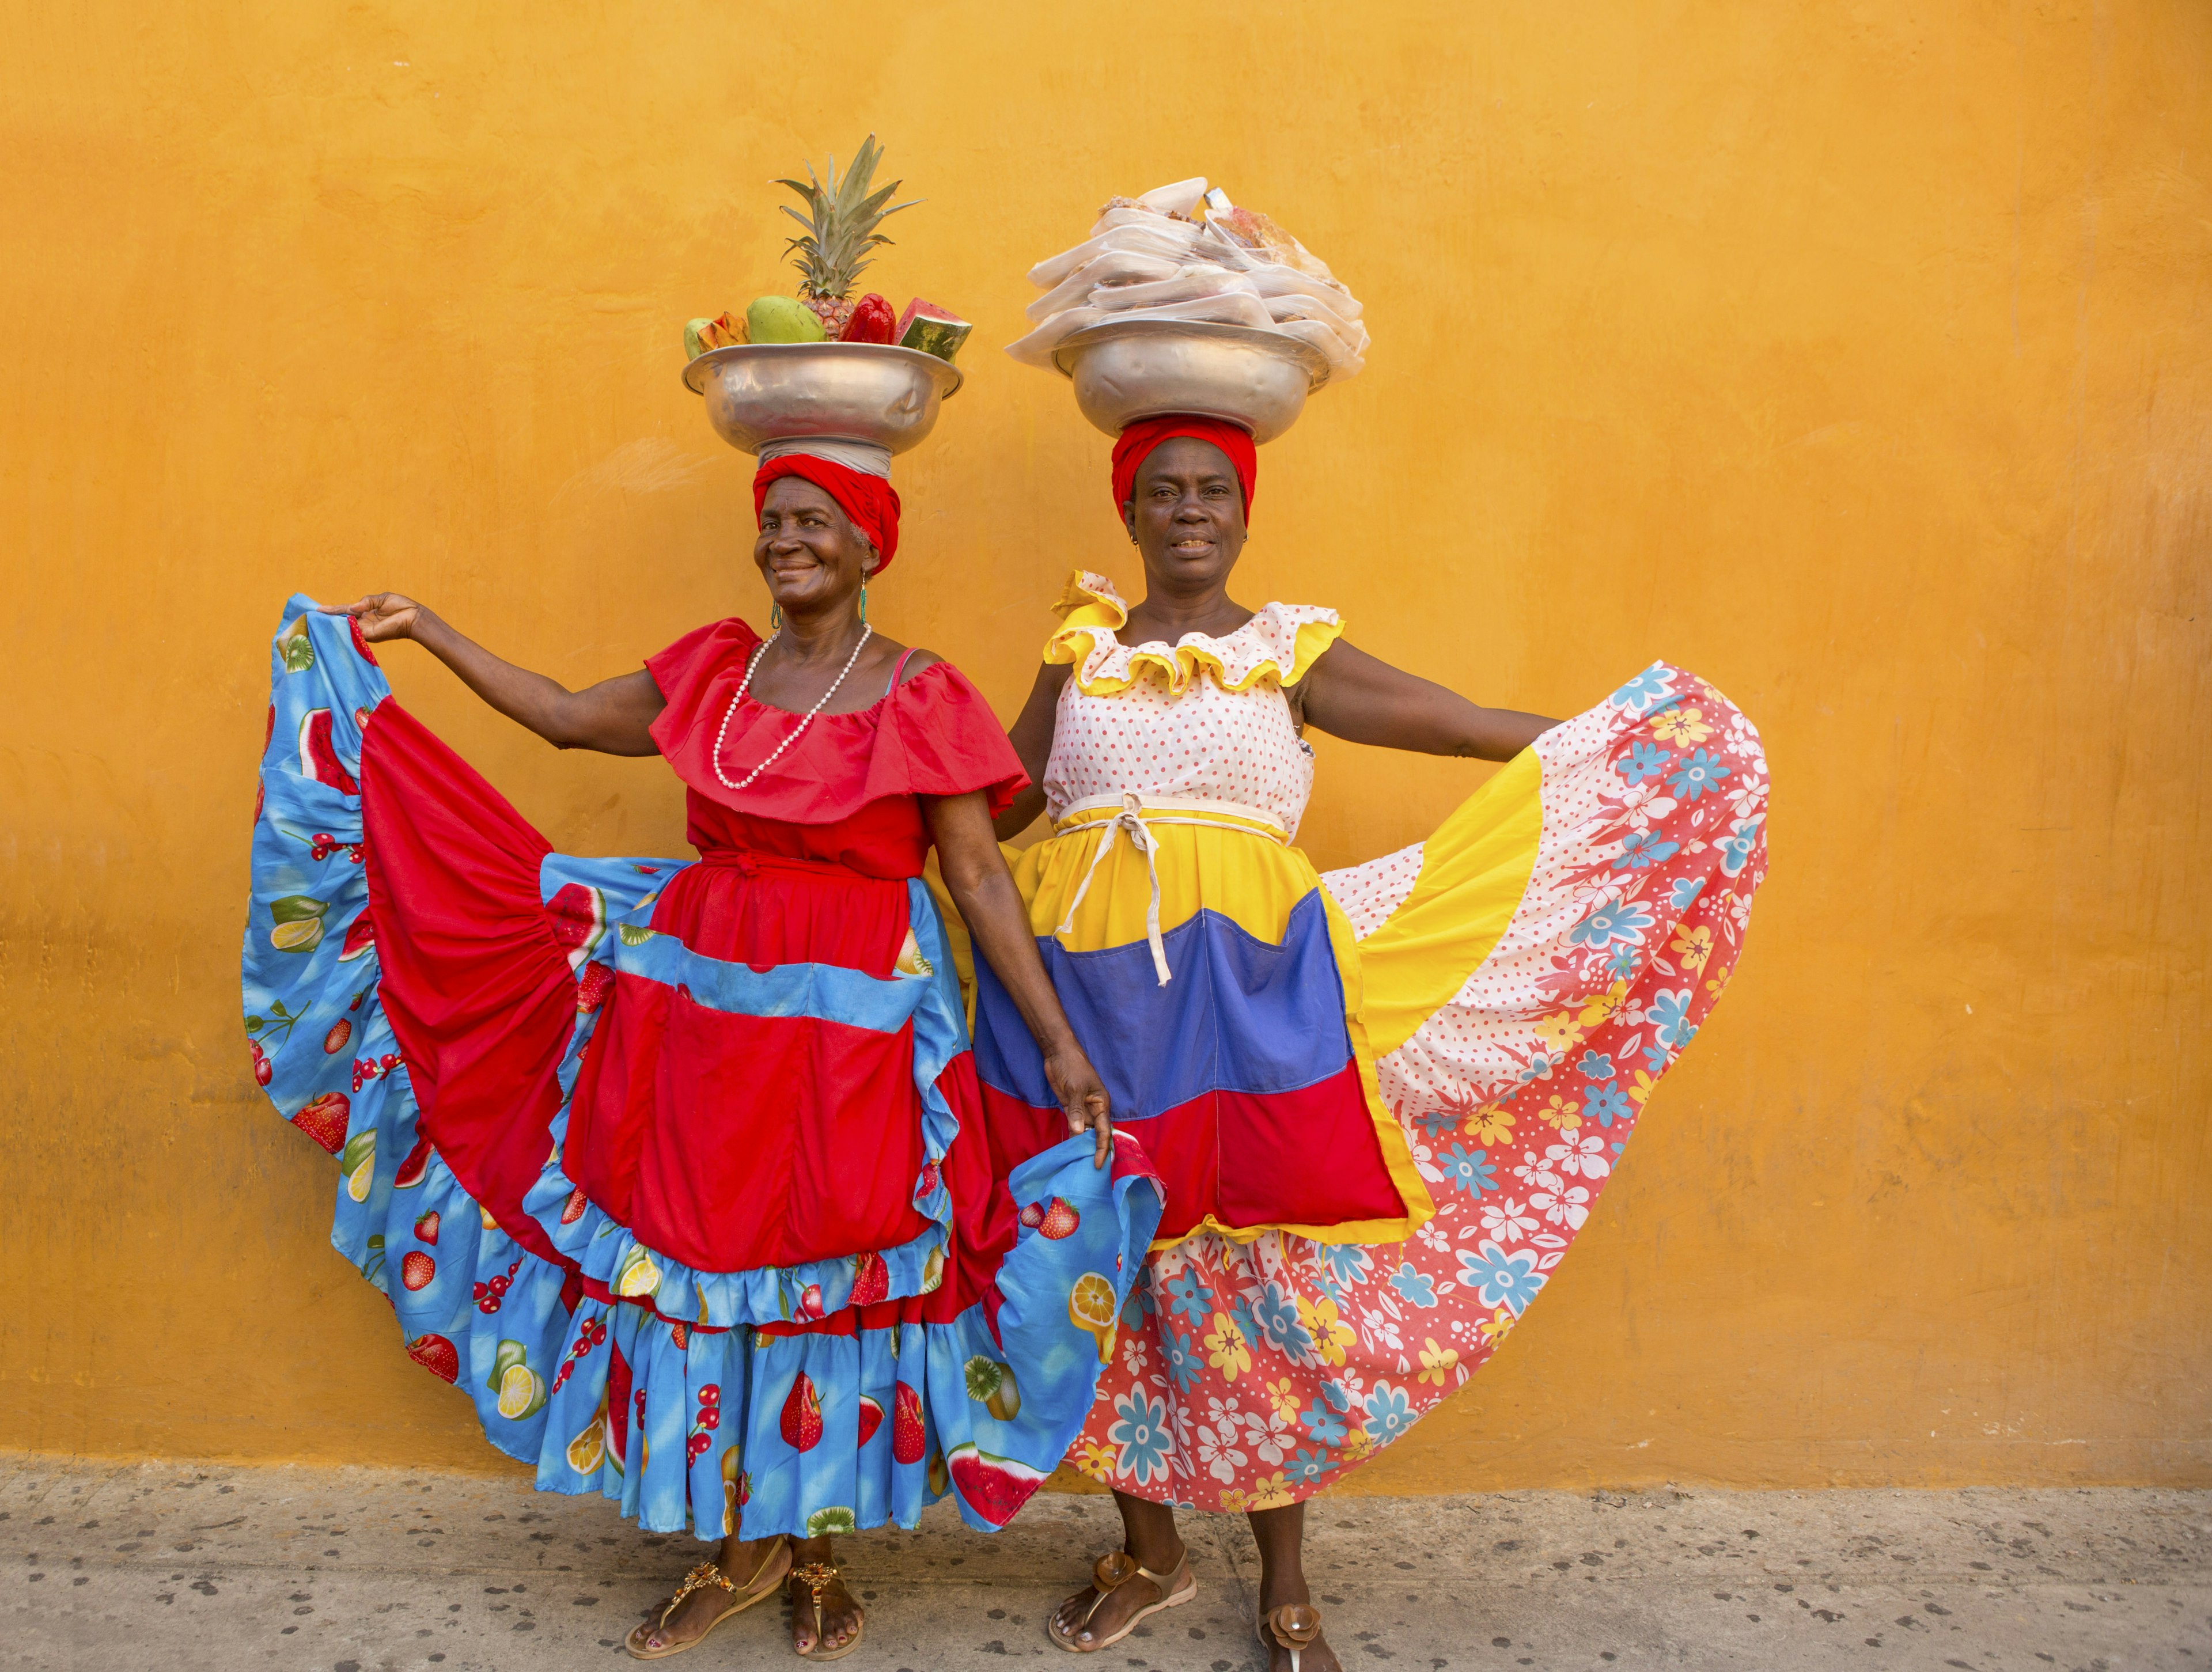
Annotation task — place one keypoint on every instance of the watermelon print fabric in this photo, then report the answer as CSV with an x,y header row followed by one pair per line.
x,y
518,1059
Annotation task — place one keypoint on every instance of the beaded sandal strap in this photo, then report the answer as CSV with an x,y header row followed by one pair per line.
x,y
698,1578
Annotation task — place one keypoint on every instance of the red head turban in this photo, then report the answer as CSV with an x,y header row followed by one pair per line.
x,y
1139,439
870,501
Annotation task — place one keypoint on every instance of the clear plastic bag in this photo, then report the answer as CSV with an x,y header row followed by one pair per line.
x,y
1190,284
1115,267
1158,236
1035,349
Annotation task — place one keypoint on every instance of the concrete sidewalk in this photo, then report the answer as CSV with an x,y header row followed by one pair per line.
x,y
179,1568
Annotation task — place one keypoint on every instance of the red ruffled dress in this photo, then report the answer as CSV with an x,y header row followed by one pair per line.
x,y
678,1165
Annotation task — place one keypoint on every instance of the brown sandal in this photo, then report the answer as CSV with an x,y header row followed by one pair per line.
x,y
1293,1626
814,1576
698,1579
1177,1587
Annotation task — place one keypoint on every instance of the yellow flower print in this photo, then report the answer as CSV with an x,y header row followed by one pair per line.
x,y
1681,725
1269,1491
1497,1326
1693,946
1642,1090
1225,1348
1600,1010
1331,1334
1559,1033
1234,1500
1561,1114
1284,1397
1094,1460
1438,1363
1490,1124
1356,1445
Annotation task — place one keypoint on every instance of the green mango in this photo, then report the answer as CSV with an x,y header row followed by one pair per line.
x,y
781,319
297,907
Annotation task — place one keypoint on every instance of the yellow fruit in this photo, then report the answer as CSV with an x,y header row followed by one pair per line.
x,y
1090,1307
518,1391
358,1181
298,936
910,960
640,1277
932,1270
489,1223
588,1449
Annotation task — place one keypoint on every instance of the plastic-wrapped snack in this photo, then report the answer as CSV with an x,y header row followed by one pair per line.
x,y
1183,251
1158,235
1202,279
1115,267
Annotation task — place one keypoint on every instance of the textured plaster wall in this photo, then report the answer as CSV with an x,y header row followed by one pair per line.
x,y
1858,356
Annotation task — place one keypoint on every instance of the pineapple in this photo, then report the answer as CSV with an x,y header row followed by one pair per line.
x,y
841,223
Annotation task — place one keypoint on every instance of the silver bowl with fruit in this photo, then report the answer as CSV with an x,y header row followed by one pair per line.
x,y
1130,369
758,392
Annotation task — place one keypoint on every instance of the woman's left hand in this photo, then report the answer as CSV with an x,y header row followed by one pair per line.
x,y
1082,1096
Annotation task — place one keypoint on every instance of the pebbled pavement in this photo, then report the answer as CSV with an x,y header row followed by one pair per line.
x,y
174,1568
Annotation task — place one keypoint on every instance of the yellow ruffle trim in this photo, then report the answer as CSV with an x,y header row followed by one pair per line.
x,y
1280,642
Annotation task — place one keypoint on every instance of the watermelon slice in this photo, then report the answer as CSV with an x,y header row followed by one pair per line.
x,y
932,329
617,1410
416,1166
579,920
995,1487
319,761
358,939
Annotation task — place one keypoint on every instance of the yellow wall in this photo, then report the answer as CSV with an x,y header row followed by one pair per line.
x,y
1857,355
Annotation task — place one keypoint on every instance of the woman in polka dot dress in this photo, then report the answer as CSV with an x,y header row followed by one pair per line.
x,y
1382,1100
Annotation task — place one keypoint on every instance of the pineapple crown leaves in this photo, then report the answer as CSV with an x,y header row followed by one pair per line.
x,y
840,220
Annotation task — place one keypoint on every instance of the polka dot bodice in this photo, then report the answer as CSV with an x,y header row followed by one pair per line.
x,y
1203,720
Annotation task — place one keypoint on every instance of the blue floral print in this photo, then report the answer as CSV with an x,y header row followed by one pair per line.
x,y
1500,1278
1323,1424
1389,1413
1417,1286
1645,691
1669,1014
1607,1103
1306,1467
1693,778
1277,1315
1685,891
1190,1297
1347,1262
1470,1171
1645,849
1736,847
1183,1361
1611,921
1596,1065
1142,1434
1643,762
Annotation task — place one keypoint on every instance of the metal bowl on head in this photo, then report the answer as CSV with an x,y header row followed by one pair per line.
x,y
1125,370
758,392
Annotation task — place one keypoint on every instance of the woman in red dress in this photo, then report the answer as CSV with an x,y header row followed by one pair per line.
x,y
679,1165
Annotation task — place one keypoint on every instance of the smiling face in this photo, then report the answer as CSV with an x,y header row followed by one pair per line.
x,y
1187,515
808,551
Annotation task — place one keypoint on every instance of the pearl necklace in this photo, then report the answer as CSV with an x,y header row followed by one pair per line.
x,y
807,720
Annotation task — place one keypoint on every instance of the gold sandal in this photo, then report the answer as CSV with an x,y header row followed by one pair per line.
x,y
814,1576
1177,1587
698,1579
1293,1626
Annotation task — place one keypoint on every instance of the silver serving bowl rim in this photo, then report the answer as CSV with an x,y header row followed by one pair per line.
x,y
946,375
1263,341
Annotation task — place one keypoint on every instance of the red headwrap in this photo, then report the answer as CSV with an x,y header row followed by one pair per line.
x,y
869,500
1139,439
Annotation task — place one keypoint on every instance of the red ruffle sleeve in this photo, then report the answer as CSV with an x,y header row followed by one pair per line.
x,y
933,735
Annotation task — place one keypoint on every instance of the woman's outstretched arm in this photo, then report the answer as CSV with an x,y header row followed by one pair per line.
x,y
1031,736
975,873
611,716
1363,699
